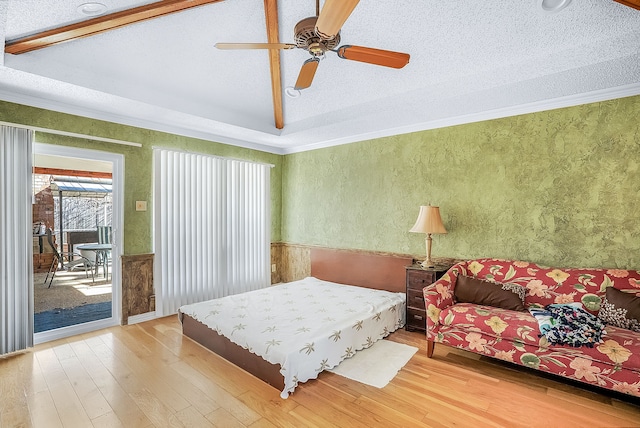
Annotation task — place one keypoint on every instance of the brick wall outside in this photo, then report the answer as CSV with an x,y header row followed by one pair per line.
x,y
43,206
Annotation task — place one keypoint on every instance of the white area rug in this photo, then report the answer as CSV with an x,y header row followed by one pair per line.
x,y
377,365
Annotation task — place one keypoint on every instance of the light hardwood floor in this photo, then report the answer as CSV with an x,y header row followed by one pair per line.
x,y
148,375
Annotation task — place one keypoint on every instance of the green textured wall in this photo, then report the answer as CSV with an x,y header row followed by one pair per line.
x,y
138,162
560,187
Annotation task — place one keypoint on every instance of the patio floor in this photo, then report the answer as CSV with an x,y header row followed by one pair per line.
x,y
69,290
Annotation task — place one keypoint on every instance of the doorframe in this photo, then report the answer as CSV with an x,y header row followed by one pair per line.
x,y
117,223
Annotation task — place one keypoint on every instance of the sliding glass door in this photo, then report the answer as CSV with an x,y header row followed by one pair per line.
x,y
85,294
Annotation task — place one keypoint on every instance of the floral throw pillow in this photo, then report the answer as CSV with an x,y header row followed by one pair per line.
x,y
620,309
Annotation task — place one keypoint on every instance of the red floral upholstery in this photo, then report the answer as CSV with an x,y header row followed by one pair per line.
x,y
494,322
513,336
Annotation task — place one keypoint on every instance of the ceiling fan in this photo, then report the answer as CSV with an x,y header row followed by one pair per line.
x,y
320,34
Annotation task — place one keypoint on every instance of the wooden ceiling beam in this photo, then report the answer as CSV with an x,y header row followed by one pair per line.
x,y
100,24
70,172
271,15
631,3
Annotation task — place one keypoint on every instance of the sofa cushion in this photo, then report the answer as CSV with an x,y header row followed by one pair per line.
x,y
621,309
620,347
496,322
473,290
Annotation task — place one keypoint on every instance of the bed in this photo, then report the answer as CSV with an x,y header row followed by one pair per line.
x,y
289,333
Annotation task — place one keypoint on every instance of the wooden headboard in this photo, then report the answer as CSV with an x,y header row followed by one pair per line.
x,y
371,270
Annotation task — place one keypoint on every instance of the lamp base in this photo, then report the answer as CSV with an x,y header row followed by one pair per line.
x,y
428,264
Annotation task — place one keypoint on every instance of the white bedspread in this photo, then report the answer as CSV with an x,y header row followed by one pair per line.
x,y
305,326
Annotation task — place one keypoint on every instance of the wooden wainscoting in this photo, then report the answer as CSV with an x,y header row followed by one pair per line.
x,y
292,262
137,285
276,259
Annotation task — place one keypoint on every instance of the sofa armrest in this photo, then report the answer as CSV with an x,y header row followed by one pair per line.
x,y
439,296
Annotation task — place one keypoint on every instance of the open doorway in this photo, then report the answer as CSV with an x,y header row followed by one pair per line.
x,y
77,223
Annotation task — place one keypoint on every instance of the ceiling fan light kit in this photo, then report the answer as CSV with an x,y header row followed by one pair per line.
x,y
321,34
292,92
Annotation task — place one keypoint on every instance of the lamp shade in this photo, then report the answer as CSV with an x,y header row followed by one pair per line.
x,y
429,221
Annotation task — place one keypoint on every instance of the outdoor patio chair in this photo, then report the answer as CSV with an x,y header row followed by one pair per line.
x,y
104,237
104,234
71,260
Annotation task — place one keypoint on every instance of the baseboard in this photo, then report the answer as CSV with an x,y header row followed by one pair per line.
x,y
134,319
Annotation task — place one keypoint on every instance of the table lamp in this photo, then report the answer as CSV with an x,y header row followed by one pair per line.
x,y
428,222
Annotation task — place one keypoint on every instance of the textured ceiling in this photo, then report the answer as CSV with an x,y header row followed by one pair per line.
x,y
470,61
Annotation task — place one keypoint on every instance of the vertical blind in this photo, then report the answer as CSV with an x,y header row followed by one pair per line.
x,y
212,227
16,271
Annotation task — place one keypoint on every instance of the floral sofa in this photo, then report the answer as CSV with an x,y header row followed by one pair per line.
x,y
514,335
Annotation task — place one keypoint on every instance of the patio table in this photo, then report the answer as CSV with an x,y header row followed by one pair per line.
x,y
102,250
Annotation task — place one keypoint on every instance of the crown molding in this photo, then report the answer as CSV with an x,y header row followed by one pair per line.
x,y
91,113
533,107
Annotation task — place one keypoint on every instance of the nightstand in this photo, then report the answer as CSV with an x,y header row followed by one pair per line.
x,y
418,278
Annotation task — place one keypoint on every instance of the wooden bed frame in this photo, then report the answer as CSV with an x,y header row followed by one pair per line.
x,y
377,271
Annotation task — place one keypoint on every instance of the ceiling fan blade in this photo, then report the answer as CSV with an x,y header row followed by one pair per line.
x,y
333,16
307,72
227,46
374,56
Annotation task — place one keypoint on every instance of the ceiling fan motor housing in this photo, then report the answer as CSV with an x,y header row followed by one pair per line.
x,y
305,37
